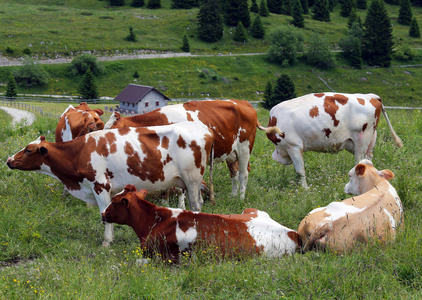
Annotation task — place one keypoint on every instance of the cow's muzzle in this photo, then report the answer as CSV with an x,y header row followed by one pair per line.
x,y
9,163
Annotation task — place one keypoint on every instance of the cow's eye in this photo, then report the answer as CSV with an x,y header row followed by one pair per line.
x,y
27,150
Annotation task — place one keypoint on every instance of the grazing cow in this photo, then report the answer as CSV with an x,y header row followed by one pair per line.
x,y
326,122
77,121
96,166
376,214
233,123
171,232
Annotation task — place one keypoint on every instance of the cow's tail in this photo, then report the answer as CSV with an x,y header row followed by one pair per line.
x,y
396,138
271,129
211,189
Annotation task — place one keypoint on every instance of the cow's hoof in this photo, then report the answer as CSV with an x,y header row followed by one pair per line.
x,y
106,244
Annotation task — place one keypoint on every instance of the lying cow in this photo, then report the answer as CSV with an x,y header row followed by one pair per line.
x,y
376,214
233,123
78,121
98,165
171,232
326,122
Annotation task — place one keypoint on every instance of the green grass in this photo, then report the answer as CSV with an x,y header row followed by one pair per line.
x,y
50,245
57,28
239,77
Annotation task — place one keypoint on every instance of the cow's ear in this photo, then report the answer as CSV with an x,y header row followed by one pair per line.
x,y
117,116
43,151
125,202
99,111
143,193
360,169
387,174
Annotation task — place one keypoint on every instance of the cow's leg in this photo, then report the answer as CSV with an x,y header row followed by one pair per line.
x,y
194,195
234,175
296,155
181,195
108,234
103,200
244,168
363,144
369,153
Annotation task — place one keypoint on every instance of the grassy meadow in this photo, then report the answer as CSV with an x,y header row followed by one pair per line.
x,y
50,244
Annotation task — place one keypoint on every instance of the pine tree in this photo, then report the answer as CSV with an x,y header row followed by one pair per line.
x,y
321,11
377,42
414,28
137,3
240,34
257,30
275,6
296,13
305,6
263,9
88,88
185,44
117,2
351,45
346,7
210,21
154,4
131,36
405,13
284,89
183,4
254,7
136,74
353,18
361,4
11,87
267,96
235,11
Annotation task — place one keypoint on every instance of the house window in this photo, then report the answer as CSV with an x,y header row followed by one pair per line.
x,y
146,104
157,103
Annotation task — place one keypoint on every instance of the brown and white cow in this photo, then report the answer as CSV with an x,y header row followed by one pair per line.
x,y
326,122
375,214
98,165
171,232
233,123
77,121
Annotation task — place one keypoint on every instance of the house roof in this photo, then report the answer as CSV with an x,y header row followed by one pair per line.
x,y
134,93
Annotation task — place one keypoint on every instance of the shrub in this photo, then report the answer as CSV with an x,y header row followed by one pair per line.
x,y
11,87
403,52
318,53
26,51
31,74
285,42
131,36
9,50
154,4
81,63
137,3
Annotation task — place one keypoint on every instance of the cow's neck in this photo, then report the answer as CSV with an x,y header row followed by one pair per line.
x,y
145,218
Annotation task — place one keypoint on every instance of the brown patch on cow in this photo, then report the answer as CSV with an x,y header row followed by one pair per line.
x,y
165,142
319,95
314,112
123,130
364,126
102,147
109,174
100,187
331,107
377,103
272,136
111,139
327,132
181,142
189,117
361,101
168,159
196,153
295,238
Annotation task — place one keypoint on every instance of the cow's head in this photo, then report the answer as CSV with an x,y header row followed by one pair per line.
x,y
31,157
364,177
82,119
120,209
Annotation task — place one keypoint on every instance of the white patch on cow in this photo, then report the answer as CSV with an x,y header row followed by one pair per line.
x,y
66,132
185,238
393,192
175,212
67,109
270,235
390,217
337,210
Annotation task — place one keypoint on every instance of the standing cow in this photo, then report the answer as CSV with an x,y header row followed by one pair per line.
x,y
326,122
233,123
98,165
375,214
171,232
77,121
